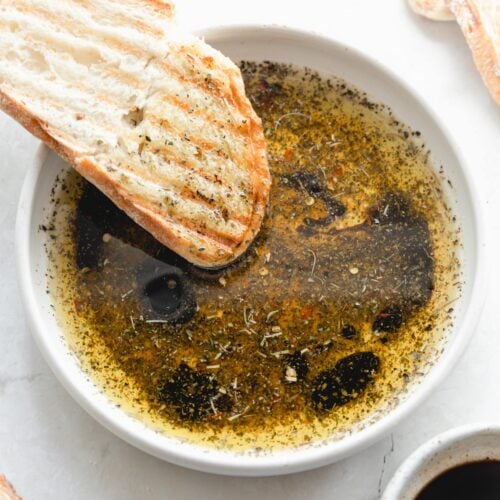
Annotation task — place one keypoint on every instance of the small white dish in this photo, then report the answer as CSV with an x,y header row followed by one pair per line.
x,y
469,443
330,58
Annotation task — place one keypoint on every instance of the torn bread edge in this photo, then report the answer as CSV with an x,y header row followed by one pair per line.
x,y
478,29
7,491
480,35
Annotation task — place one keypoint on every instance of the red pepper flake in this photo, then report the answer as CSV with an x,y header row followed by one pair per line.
x,y
307,312
338,171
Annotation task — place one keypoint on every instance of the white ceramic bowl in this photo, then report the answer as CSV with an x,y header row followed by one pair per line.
x,y
330,58
469,443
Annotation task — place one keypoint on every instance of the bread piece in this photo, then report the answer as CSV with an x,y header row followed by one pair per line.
x,y
7,492
480,23
154,117
438,10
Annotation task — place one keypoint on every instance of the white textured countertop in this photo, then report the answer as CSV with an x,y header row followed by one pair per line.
x,y
51,449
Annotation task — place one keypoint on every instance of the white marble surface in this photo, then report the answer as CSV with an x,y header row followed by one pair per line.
x,y
51,449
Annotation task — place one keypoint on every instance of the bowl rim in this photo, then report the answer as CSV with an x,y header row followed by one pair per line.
x,y
288,460
410,468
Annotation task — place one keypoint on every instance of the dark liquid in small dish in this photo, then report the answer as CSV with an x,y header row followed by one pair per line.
x,y
470,481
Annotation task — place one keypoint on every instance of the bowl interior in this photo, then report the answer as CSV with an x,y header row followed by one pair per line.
x,y
329,58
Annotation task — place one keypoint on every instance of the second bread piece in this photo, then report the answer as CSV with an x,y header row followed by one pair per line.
x,y
155,118
480,23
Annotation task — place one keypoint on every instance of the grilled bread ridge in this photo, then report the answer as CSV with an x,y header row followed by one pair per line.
x,y
154,117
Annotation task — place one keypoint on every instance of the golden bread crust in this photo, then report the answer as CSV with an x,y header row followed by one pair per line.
x,y
155,118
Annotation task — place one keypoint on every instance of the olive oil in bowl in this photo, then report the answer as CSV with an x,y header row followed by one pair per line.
x,y
339,306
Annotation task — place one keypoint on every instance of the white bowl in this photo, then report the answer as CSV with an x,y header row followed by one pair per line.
x,y
469,443
331,58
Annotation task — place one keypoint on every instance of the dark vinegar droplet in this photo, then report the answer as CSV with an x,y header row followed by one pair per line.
x,y
348,332
345,381
95,216
389,320
168,295
164,293
190,393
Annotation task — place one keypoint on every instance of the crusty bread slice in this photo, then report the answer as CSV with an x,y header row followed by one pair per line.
x,y
154,117
480,23
438,10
